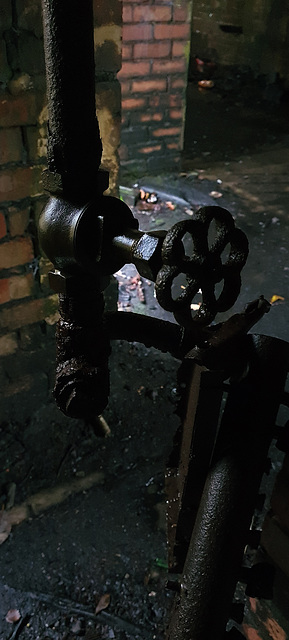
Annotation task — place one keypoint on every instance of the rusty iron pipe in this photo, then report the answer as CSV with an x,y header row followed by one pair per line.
x,y
74,155
74,146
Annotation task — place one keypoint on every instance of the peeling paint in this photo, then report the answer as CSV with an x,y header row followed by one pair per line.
x,y
110,32
253,604
251,633
275,631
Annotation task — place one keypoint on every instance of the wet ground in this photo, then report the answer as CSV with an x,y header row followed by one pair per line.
x,y
93,529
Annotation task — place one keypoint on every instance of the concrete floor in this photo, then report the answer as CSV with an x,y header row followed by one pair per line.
x,y
110,540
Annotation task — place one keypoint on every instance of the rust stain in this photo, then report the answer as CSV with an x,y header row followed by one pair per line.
x,y
253,604
251,633
275,631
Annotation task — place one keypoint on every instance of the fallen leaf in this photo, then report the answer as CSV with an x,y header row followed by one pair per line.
x,y
206,84
76,627
170,205
215,194
13,615
5,526
103,603
276,298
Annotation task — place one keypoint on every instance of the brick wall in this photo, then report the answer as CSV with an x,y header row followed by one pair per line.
x,y
155,49
28,308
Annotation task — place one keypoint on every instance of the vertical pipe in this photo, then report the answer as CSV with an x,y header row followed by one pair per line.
x,y
74,145
74,154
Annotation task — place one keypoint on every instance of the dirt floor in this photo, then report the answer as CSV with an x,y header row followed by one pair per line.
x,y
89,558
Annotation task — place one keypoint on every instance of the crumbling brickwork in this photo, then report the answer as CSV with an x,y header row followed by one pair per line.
x,y
28,308
156,36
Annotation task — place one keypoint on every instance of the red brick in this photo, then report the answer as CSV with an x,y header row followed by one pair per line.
x,y
127,52
161,49
18,110
20,182
3,227
145,86
151,117
176,114
8,344
11,146
169,131
18,221
21,286
127,13
154,101
172,31
132,69
125,87
179,48
28,312
142,13
169,66
4,290
176,100
173,145
16,287
151,149
178,83
181,14
139,32
133,103
123,152
16,252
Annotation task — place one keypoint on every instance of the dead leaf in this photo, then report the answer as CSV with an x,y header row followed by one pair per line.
x,y
170,205
215,194
5,526
13,615
206,84
103,603
76,627
276,298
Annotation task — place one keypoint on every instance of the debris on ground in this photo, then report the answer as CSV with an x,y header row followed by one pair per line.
x,y
215,194
131,288
39,502
13,615
206,84
275,298
146,200
103,603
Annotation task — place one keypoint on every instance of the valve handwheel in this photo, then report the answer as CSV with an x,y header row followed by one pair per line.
x,y
205,268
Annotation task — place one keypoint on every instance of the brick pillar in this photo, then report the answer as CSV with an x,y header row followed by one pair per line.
x,y
156,41
28,308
